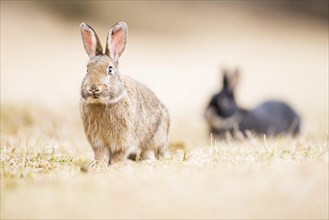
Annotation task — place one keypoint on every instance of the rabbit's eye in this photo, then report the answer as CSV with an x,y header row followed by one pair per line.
x,y
109,70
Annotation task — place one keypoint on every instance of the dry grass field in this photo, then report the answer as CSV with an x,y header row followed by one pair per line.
x,y
43,146
254,178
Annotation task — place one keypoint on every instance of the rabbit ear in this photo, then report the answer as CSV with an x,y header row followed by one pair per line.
x,y
90,40
234,79
225,79
116,40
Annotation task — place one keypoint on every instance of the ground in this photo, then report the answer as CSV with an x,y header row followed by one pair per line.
x,y
41,177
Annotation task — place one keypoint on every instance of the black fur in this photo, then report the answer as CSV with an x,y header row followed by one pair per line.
x,y
270,117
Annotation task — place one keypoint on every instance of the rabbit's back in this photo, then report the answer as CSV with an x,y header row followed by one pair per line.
x,y
272,117
150,116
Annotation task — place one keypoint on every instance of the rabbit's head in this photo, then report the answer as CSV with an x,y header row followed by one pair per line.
x,y
103,83
223,103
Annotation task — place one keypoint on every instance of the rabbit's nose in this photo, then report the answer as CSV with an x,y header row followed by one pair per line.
x,y
94,90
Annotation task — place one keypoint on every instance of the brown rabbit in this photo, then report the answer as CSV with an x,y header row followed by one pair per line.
x,y
121,117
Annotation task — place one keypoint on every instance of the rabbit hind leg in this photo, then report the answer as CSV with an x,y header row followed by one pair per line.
x,y
148,154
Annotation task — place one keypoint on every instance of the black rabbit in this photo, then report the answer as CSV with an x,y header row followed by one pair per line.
x,y
270,118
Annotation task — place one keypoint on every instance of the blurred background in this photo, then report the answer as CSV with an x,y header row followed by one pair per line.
x,y
176,48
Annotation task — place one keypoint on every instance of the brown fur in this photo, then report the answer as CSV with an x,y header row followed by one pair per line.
x,y
135,123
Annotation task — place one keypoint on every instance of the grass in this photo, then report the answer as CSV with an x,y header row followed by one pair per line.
x,y
42,153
